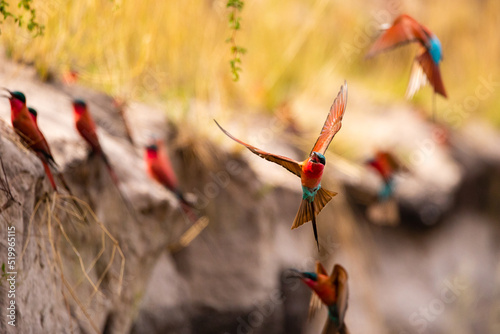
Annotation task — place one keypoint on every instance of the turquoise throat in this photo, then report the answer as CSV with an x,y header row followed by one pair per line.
x,y
309,194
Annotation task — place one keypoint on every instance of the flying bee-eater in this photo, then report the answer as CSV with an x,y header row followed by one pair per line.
x,y
25,125
387,165
404,30
310,171
333,291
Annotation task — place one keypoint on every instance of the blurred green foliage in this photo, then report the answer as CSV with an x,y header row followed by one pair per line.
x,y
25,6
235,24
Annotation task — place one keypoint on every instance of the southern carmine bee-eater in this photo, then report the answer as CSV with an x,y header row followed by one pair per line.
x,y
333,291
386,165
159,168
86,127
310,171
406,29
24,125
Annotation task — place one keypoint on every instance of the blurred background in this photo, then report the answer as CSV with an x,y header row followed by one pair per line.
x,y
427,262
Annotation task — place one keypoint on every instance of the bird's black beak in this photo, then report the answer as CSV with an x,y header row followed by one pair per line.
x,y
294,273
8,91
318,158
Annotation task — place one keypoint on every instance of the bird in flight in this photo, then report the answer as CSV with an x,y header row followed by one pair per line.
x,y
387,165
310,171
332,291
404,30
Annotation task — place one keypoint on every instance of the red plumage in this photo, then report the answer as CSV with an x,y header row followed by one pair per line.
x,y
25,126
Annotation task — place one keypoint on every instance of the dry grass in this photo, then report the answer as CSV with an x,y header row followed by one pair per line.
x,y
175,51
51,218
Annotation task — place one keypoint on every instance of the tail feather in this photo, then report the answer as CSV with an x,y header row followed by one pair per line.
x,y
110,169
187,208
49,175
432,72
418,79
307,212
332,328
315,229
322,198
304,214
116,182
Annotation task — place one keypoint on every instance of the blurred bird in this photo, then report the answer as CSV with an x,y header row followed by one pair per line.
x,y
24,124
310,171
121,104
406,29
385,211
387,165
86,128
332,291
70,76
159,168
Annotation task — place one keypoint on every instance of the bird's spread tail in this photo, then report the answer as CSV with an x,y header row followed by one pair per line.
x,y
306,211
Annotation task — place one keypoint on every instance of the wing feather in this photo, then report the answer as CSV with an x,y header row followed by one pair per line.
x,y
333,121
404,30
292,165
339,277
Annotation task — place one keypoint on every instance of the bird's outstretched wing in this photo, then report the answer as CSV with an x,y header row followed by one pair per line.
x,y
292,165
339,277
333,121
404,30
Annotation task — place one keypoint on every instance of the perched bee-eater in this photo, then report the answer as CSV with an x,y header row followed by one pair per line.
x,y
406,29
310,171
86,127
159,168
25,126
333,292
